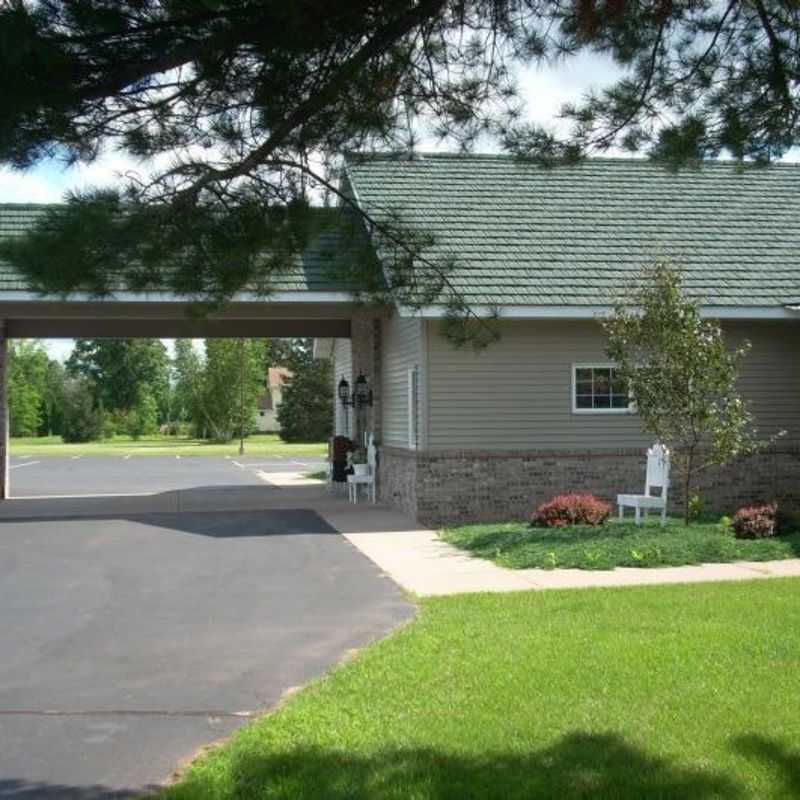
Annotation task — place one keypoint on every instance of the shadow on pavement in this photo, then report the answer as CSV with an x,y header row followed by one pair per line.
x,y
11,789
216,524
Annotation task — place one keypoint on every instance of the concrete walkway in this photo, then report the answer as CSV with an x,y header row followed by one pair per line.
x,y
422,563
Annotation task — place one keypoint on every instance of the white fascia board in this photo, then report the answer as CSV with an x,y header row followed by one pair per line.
x,y
592,312
169,297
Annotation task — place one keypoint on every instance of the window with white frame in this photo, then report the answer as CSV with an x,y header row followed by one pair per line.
x,y
598,389
413,408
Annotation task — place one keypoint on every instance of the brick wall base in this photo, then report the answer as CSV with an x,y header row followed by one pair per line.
x,y
462,487
397,479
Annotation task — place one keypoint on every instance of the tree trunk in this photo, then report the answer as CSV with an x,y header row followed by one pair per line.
x,y
687,488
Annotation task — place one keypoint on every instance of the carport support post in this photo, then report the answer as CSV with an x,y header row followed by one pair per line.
x,y
4,466
365,342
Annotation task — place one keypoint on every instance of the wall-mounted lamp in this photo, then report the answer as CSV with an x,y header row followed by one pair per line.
x,y
359,397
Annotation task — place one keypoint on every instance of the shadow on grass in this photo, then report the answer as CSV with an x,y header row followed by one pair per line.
x,y
581,765
774,754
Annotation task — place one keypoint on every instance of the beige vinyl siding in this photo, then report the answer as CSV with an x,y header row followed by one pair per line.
x,y
516,394
342,368
401,350
770,375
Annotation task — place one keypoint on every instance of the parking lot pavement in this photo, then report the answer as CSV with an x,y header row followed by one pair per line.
x,y
117,475
128,643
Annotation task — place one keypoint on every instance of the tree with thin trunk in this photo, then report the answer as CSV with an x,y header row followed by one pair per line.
x,y
682,375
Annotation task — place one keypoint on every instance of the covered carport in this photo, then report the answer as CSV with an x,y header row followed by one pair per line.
x,y
141,628
318,314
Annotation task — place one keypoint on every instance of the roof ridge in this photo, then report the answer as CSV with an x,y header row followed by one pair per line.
x,y
29,205
639,161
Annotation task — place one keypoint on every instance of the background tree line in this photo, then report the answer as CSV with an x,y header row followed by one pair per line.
x,y
133,387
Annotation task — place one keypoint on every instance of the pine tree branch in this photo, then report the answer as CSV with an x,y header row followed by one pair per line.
x,y
307,109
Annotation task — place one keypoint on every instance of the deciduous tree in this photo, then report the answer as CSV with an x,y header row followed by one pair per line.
x,y
27,386
231,383
121,369
682,374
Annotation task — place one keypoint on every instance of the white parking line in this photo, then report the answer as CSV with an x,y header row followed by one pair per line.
x,y
75,458
110,495
26,464
125,458
177,456
241,466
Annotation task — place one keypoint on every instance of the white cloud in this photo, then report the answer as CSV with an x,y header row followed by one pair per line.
x,y
545,89
25,187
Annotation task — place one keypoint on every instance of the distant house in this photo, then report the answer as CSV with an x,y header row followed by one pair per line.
x,y
268,403
488,435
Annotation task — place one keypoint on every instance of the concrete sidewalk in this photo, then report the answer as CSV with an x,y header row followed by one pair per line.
x,y
422,563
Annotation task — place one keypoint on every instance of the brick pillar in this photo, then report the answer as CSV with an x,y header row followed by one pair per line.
x,y
365,333
4,466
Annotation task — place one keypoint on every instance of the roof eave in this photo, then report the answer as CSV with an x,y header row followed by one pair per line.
x,y
592,312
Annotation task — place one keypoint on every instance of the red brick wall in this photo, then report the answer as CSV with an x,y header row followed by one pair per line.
x,y
463,486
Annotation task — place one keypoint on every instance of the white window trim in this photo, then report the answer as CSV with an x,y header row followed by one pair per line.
x,y
631,409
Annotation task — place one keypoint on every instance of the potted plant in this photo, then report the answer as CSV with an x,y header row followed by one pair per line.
x,y
358,461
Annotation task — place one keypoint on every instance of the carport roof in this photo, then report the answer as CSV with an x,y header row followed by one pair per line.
x,y
304,300
310,272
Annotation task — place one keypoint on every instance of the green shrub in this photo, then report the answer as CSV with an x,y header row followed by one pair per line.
x,y
109,425
696,508
143,418
83,422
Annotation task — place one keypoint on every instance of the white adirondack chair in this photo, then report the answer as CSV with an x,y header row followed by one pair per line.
x,y
368,479
657,476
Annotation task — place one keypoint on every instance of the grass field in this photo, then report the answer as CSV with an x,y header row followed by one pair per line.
x,y
520,546
646,692
263,444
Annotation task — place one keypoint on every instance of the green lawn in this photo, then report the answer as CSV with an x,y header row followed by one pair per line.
x,y
647,692
262,444
520,546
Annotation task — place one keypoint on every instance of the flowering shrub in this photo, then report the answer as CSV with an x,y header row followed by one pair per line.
x,y
756,521
572,509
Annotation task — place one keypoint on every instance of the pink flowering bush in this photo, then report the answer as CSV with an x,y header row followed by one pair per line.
x,y
572,509
756,521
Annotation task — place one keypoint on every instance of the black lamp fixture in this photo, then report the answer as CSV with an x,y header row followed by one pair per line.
x,y
360,396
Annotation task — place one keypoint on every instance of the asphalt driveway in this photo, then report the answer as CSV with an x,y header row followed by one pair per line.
x,y
58,476
128,643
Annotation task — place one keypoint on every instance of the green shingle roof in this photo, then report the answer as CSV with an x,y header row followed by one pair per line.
x,y
524,234
310,272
